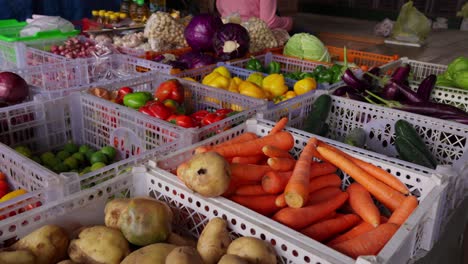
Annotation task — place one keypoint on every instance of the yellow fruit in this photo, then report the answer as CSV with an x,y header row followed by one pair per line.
x,y
237,80
215,79
12,195
305,85
289,95
256,78
274,83
233,86
252,90
223,71
190,79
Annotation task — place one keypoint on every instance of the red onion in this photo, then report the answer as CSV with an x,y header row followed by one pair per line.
x,y
13,88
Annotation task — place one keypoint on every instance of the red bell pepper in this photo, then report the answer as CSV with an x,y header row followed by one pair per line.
x,y
223,111
170,89
159,110
199,115
185,121
211,118
121,93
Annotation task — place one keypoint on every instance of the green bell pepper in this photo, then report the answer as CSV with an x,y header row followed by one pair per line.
x,y
254,65
319,69
274,67
137,99
325,77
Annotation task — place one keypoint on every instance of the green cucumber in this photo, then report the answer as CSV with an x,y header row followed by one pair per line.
x,y
410,153
315,122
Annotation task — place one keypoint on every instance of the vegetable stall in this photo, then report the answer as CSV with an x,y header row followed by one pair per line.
x,y
196,139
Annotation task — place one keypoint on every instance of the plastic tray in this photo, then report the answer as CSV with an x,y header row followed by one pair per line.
x,y
44,125
419,232
446,140
419,69
197,97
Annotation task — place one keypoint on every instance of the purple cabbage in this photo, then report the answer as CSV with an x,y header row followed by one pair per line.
x,y
231,42
200,31
196,59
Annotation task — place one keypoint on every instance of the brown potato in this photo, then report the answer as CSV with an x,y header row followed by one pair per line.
x,y
67,262
17,257
232,259
253,250
113,210
49,244
181,241
152,254
184,255
214,241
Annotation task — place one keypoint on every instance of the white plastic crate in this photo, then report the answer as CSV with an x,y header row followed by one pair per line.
x,y
446,140
46,125
419,69
419,232
197,97
60,79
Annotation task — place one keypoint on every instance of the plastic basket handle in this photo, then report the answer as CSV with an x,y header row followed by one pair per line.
x,y
126,142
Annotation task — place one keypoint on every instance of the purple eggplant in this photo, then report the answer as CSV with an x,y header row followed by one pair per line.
x,y
390,92
406,92
400,75
351,80
375,71
426,86
455,118
342,90
354,96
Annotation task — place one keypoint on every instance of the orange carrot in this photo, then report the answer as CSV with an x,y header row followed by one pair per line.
x,y
324,230
321,168
234,184
274,181
329,180
298,218
247,136
281,164
378,173
346,208
248,172
249,190
361,228
315,142
297,189
248,160
383,219
388,196
323,194
280,201
404,211
274,152
280,125
361,202
262,204
369,243
282,140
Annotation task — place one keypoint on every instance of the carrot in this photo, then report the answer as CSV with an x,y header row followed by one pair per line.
x,y
280,201
402,213
324,230
361,202
378,173
280,125
369,243
282,140
297,189
361,228
248,172
388,196
234,184
247,136
248,159
329,180
346,208
323,194
274,152
262,204
298,218
321,168
281,164
315,142
249,190
274,181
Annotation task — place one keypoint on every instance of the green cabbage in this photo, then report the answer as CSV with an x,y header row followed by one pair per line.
x,y
306,46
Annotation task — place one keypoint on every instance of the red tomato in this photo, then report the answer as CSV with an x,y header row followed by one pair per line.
x,y
170,89
185,121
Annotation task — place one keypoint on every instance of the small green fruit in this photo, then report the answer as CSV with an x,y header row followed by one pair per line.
x,y
63,155
98,156
25,151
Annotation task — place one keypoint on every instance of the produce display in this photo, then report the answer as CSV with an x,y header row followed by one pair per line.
x,y
456,74
305,195
137,230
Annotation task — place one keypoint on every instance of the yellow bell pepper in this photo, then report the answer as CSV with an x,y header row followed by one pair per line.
x,y
274,83
223,71
215,79
252,90
233,86
12,195
189,79
288,95
237,80
256,78
305,85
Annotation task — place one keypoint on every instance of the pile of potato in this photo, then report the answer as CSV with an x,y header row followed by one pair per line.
x,y
143,224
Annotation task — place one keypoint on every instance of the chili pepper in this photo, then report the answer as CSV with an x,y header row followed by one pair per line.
x,y
137,99
274,67
170,89
254,65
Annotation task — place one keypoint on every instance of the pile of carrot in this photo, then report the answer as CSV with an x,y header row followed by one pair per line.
x,y
306,194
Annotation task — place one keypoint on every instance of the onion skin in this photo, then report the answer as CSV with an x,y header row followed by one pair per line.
x,y
13,88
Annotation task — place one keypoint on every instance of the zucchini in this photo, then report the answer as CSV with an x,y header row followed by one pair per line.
x,y
405,132
315,122
410,153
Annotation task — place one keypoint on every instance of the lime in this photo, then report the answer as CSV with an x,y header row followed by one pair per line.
x,y
80,157
85,170
37,159
98,156
60,167
97,166
84,148
71,162
110,152
89,154
63,155
25,151
71,147
47,156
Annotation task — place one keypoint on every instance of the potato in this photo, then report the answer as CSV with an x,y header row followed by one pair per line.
x,y
66,262
181,241
184,255
17,257
113,210
99,245
152,254
232,259
206,173
253,250
49,244
214,241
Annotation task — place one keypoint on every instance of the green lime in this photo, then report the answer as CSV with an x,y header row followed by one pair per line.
x,y
63,155
97,166
61,167
85,170
98,156
47,156
89,154
84,148
110,152
25,151
71,147
71,162
80,157
37,159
